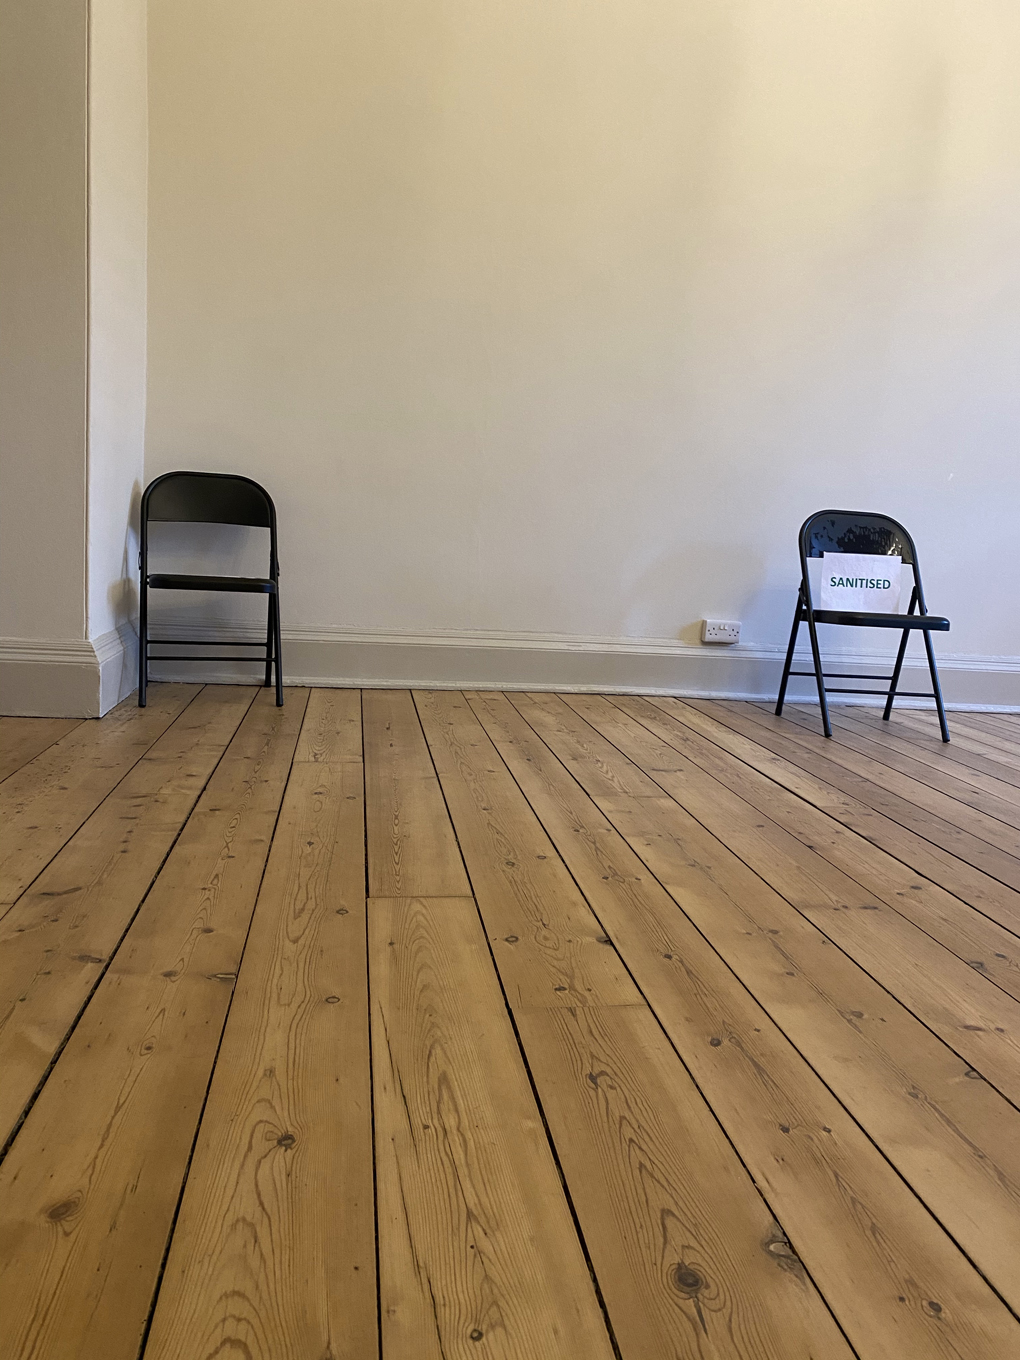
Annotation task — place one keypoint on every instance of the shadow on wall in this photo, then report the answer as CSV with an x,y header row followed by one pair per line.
x,y
122,594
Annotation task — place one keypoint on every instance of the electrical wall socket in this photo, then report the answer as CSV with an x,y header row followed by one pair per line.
x,y
720,630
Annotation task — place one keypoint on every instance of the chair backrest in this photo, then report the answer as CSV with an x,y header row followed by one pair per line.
x,y
209,498
857,531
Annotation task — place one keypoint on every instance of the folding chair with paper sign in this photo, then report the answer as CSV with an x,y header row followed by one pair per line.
x,y
860,582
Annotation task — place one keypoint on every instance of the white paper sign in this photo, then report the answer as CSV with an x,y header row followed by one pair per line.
x,y
860,581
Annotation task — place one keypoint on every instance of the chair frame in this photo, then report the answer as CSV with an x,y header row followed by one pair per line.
x,y
806,612
271,588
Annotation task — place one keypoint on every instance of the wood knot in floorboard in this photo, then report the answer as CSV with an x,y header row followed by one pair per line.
x,y
686,1280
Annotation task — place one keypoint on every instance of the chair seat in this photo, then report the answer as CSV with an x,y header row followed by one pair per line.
x,y
931,623
168,581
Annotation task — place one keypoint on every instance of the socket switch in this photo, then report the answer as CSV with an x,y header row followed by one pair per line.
x,y
720,630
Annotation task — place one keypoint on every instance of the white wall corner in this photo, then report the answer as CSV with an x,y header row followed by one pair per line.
x,y
117,226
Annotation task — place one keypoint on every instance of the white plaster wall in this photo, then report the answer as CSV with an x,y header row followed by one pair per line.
x,y
73,153
43,310
118,158
558,317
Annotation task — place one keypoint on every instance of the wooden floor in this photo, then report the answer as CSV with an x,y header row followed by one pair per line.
x,y
529,1026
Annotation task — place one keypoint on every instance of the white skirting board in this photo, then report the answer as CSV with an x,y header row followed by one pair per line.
x,y
85,679
67,678
462,660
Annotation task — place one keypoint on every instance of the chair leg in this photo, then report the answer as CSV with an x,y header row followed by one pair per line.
x,y
143,643
817,655
269,641
896,675
789,652
936,687
899,660
278,650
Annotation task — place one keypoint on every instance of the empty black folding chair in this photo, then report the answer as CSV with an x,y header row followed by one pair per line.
x,y
209,498
851,531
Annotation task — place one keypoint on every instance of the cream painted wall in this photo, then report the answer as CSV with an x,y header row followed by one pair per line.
x,y
43,318
73,210
557,318
118,159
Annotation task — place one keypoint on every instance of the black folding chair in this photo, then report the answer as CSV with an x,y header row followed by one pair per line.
x,y
208,498
851,531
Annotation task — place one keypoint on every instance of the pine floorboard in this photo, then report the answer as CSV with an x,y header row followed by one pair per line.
x,y
22,739
431,1025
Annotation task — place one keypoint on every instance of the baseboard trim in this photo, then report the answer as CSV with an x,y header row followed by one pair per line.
x,y
82,678
653,666
117,657
67,677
